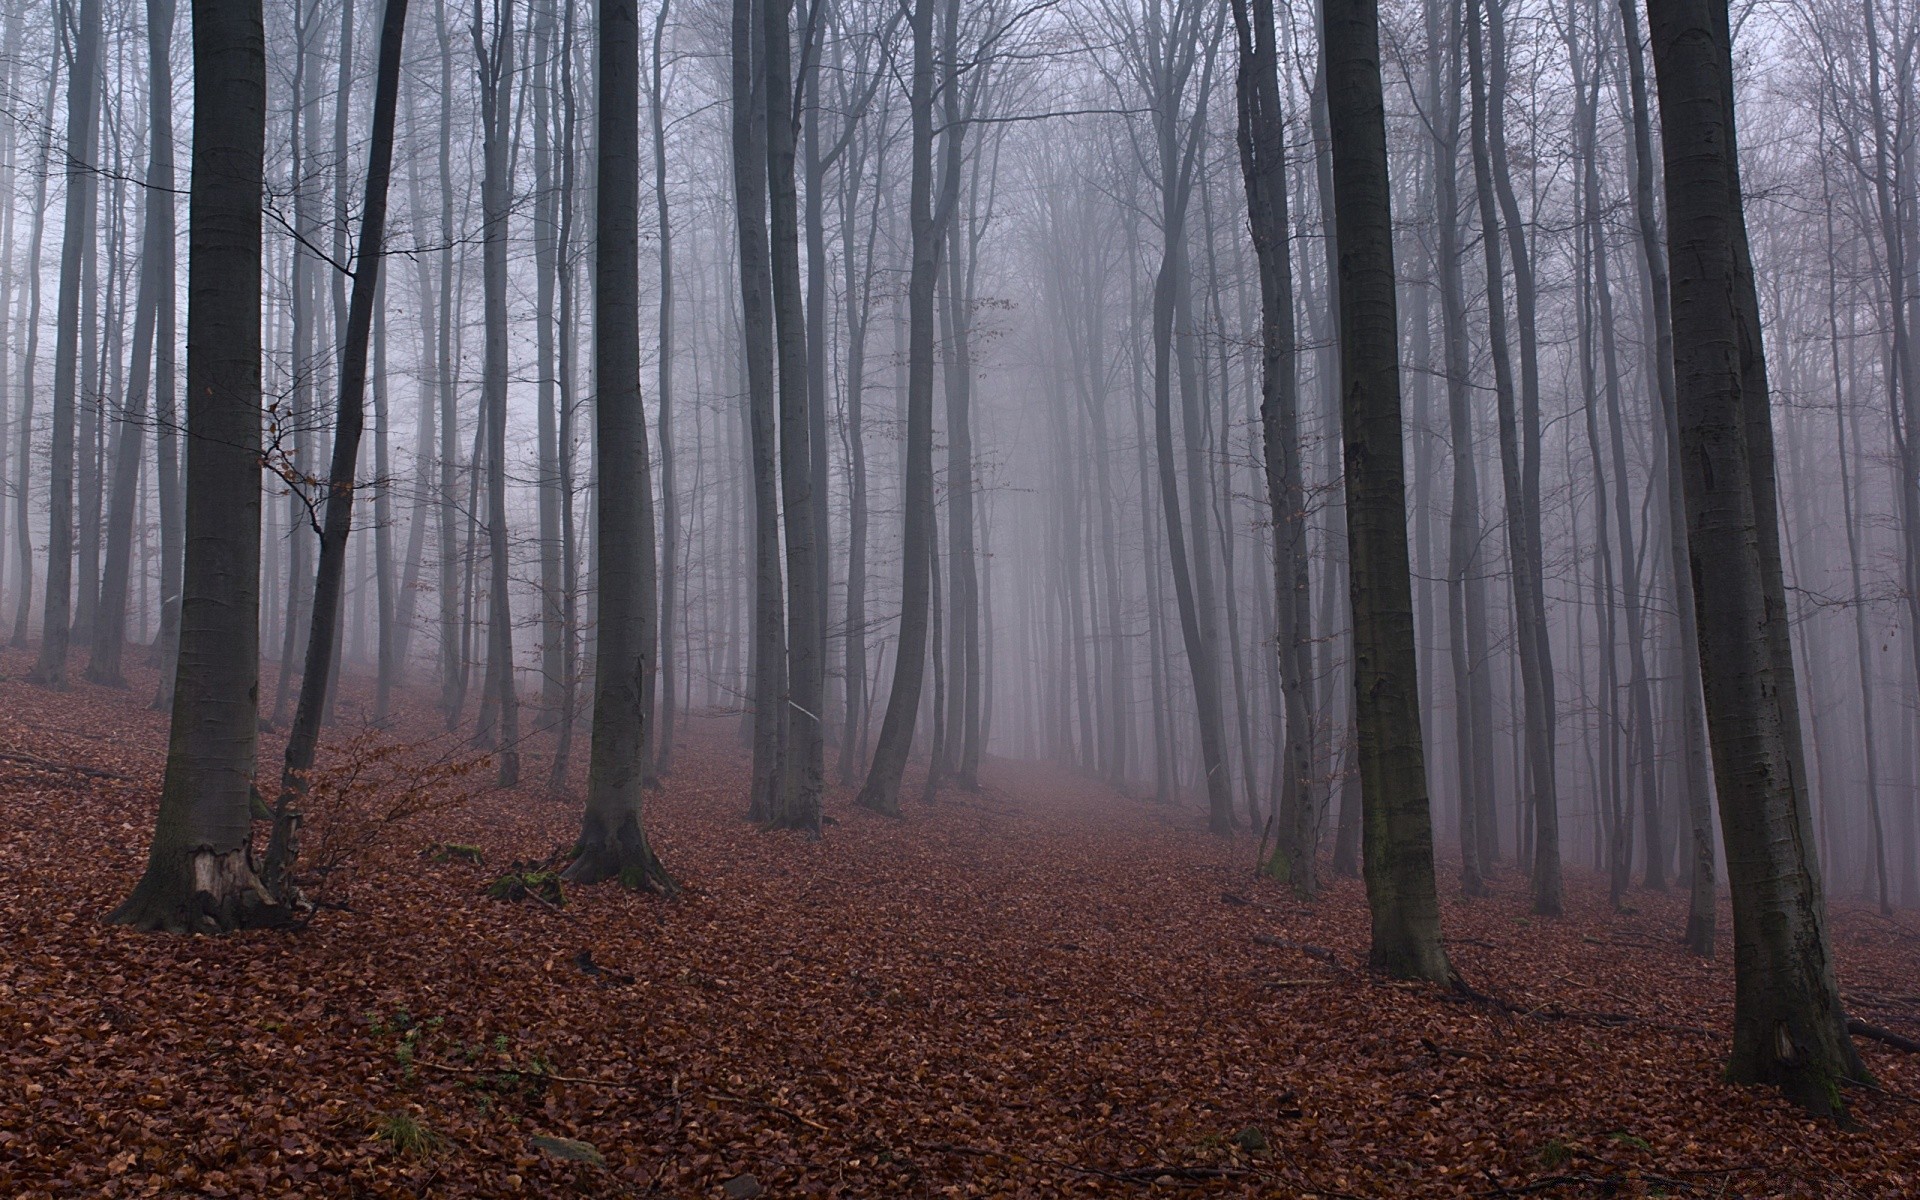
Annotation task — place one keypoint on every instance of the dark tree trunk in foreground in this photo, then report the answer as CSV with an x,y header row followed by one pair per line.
x,y
200,871
330,576
1398,834
613,843
1262,137
1789,1028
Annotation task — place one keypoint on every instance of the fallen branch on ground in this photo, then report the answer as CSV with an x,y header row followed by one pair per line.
x,y
1859,1028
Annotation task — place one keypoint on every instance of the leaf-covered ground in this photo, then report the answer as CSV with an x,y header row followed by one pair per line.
x,y
1041,989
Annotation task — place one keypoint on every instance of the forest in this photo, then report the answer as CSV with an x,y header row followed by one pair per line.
x,y
737,598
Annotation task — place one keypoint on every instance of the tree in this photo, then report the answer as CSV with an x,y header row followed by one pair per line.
x,y
156,274
881,791
1789,1028
749,129
330,574
613,842
798,806
1398,834
76,237
200,871
1263,168
1702,902
495,57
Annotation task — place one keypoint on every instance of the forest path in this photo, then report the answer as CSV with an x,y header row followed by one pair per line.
x,y
1039,989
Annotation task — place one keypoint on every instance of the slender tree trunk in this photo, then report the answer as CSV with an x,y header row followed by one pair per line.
x,y
613,842
1701,900
1466,567
329,580
669,486
881,791
110,623
30,318
496,82
50,670
750,138
546,220
160,14
1262,142
1517,468
799,805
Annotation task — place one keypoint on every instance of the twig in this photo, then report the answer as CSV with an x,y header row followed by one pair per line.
x,y
47,764
526,1074
809,1122
1138,1176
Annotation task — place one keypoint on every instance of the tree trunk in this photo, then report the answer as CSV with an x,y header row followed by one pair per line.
x,y
1398,833
799,803
881,791
200,874
756,288
496,82
613,842
1518,469
1701,900
1262,143
50,670
329,580
30,318
1789,1028
156,252
669,485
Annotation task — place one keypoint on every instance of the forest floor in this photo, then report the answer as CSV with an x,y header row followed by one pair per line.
x,y
1039,989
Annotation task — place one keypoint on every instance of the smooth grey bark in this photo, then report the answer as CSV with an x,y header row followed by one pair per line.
x,y
1398,833
1789,1027
50,668
200,872
613,841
